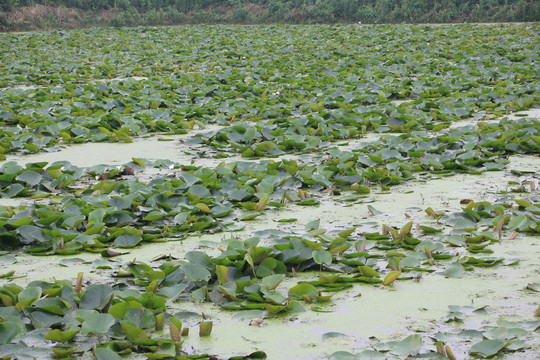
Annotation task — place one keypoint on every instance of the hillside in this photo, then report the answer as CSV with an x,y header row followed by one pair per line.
x,y
24,15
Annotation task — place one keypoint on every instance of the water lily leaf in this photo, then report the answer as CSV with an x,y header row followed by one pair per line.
x,y
8,331
523,203
97,323
136,336
469,310
487,348
200,191
269,266
368,271
391,277
54,171
533,286
127,240
111,253
502,333
275,299
429,230
204,208
154,215
370,355
142,318
43,319
238,195
249,216
346,233
406,347
275,309
196,272
11,167
13,190
322,257
71,262
313,225
518,222
309,202
119,309
8,275
482,262
28,296
359,189
221,211
373,211
271,282
456,240
53,305
180,218
139,162
205,328
97,297
103,353
199,257
200,294
7,260
516,345
175,329
455,270
172,292
298,292
61,336
333,334
261,204
31,178
166,350
342,355
287,220
260,355
30,352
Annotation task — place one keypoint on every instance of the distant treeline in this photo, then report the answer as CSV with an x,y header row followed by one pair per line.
x,y
39,14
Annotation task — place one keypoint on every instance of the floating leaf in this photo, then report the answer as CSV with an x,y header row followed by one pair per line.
x,y
175,329
103,353
298,292
332,335
534,286
205,328
343,355
322,257
368,271
196,272
136,336
96,297
97,323
391,277
455,270
404,348
487,348
61,336
373,211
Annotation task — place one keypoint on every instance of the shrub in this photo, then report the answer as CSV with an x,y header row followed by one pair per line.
x,y
4,21
241,14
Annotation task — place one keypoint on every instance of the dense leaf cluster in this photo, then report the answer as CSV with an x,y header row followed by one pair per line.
x,y
334,89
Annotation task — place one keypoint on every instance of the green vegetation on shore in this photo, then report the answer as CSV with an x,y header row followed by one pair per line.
x,y
24,15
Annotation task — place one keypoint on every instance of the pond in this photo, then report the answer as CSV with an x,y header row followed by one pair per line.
x,y
389,215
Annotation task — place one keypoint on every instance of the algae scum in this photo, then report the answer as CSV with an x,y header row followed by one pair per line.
x,y
281,192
